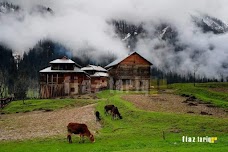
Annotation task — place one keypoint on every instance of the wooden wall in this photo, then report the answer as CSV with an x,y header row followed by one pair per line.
x,y
134,59
98,83
63,84
133,73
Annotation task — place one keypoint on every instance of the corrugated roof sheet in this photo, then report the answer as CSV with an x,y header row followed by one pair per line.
x,y
93,67
100,74
117,61
62,61
49,70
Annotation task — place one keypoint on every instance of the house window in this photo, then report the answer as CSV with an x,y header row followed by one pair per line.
x,y
72,89
126,81
72,77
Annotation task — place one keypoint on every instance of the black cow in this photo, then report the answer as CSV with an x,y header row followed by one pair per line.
x,y
115,113
98,118
108,108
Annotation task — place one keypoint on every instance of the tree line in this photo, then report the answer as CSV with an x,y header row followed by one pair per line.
x,y
18,75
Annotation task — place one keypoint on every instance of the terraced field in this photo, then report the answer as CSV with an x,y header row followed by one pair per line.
x,y
151,122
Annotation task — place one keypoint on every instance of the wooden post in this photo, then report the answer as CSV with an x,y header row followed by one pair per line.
x,y
194,79
57,78
163,135
52,85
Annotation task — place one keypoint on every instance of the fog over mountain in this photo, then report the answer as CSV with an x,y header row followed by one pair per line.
x,y
175,35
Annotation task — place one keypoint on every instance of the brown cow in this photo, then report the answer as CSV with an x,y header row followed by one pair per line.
x,y
116,113
81,129
108,108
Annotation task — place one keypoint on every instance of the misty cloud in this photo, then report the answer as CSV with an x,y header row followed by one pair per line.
x,y
84,24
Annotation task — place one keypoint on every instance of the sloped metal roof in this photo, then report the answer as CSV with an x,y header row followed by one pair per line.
x,y
100,74
93,67
62,61
117,61
49,70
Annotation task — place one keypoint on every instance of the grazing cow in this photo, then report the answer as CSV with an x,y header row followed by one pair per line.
x,y
115,113
5,101
81,129
98,118
108,108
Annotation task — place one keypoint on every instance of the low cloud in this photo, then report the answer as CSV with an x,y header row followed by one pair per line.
x,y
83,24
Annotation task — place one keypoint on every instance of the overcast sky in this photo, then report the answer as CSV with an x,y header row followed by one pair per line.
x,y
80,24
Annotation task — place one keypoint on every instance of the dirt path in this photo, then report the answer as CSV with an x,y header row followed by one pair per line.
x,y
43,124
173,104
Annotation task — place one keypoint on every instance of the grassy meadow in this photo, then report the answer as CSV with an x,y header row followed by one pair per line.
x,y
214,93
138,131
44,104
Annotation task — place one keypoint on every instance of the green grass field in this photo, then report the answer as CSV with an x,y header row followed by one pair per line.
x,y
205,92
44,104
138,131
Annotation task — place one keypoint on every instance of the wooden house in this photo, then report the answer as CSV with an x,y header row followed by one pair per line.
x,y
99,77
129,73
63,77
